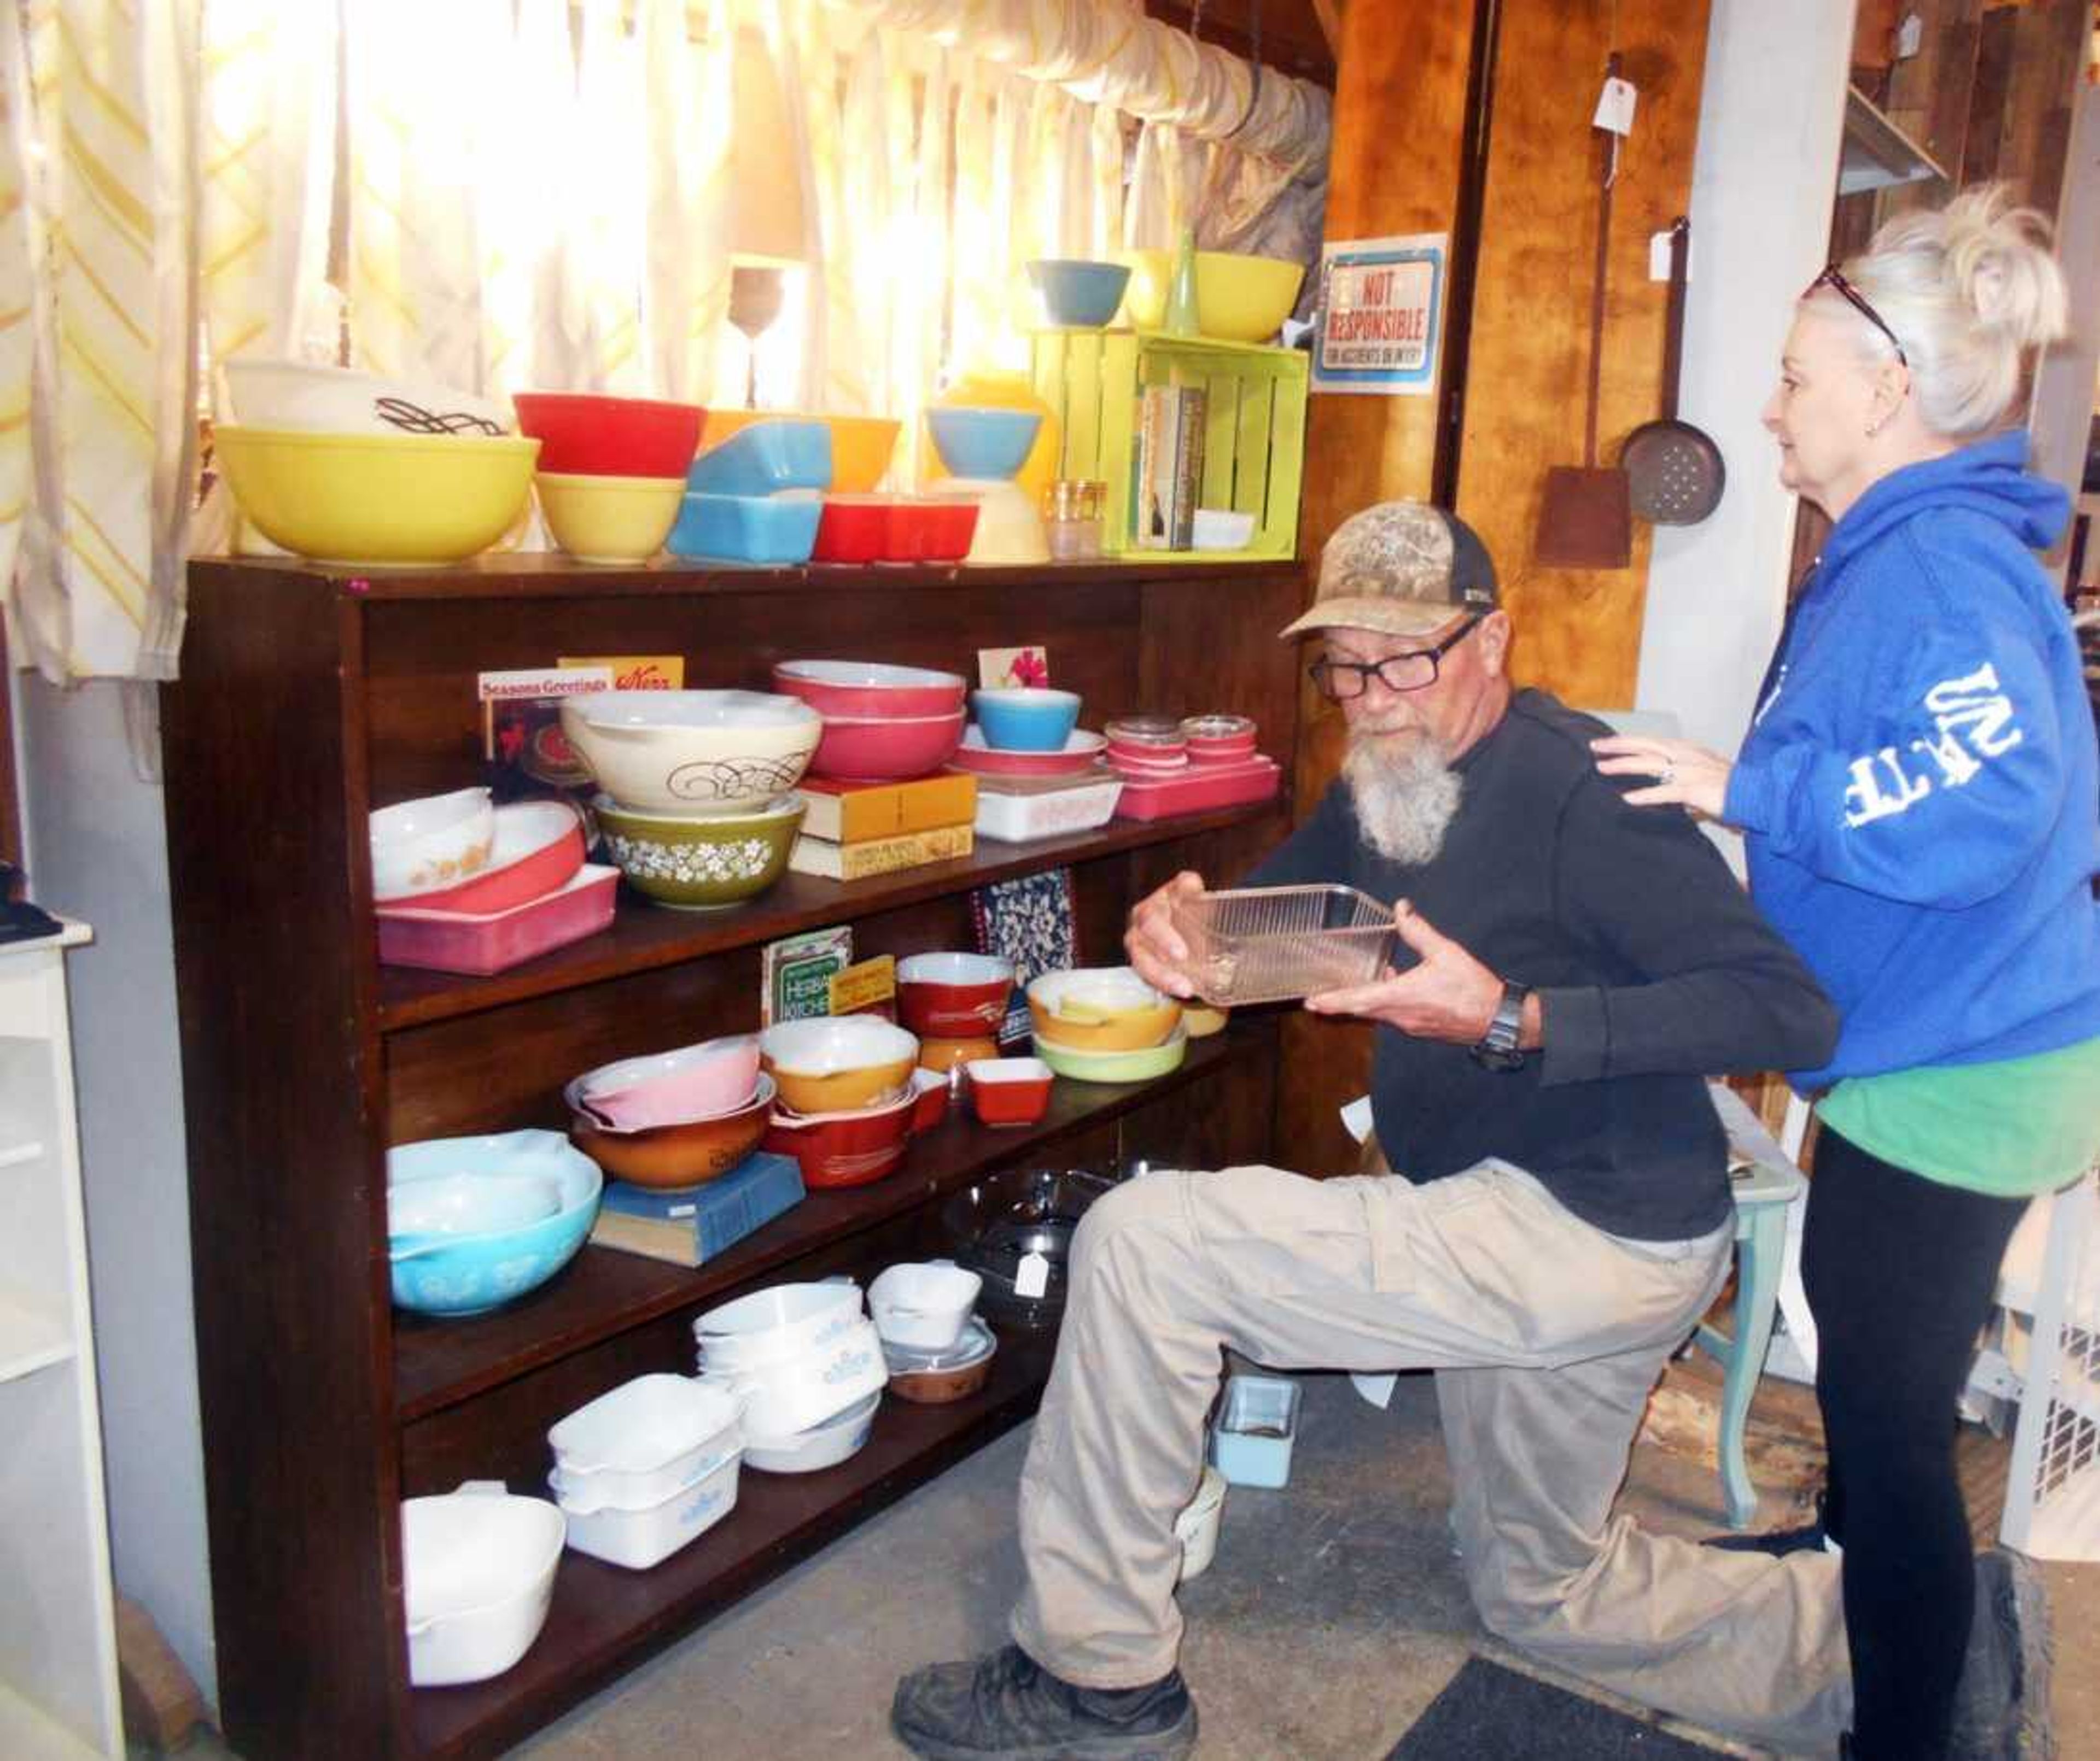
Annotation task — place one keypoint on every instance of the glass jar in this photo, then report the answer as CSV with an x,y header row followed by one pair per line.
x,y
1064,521
1093,498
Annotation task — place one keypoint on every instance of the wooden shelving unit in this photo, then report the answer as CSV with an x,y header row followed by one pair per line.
x,y
308,697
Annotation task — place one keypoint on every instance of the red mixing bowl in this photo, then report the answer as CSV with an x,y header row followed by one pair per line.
x,y
953,995
585,435
870,687
845,1149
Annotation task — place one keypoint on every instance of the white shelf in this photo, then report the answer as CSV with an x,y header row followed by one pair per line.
x,y
30,1341
1876,152
27,1734
58,1645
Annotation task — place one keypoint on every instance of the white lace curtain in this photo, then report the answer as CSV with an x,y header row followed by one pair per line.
x,y
531,193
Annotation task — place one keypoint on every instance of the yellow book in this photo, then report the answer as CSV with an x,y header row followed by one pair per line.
x,y
848,813
879,855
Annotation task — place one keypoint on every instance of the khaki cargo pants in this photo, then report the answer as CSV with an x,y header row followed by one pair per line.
x,y
1547,1336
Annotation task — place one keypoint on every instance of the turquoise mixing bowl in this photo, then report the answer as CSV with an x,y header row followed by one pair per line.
x,y
982,442
467,1274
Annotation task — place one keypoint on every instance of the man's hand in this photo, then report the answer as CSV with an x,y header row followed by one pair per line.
x,y
1160,956
1448,995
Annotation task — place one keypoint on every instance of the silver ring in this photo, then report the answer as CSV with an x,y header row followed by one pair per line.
x,y
1668,774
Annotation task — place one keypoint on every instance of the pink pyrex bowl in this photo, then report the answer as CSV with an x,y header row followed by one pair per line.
x,y
693,1083
886,749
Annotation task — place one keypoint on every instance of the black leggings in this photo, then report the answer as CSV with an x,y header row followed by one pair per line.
x,y
1899,1272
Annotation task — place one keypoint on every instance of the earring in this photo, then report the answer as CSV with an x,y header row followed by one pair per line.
x,y
1875,427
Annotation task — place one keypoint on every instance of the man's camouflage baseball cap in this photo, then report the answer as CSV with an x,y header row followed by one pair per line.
x,y
1402,568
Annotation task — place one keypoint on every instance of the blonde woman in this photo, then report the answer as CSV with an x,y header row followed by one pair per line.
x,y
1918,794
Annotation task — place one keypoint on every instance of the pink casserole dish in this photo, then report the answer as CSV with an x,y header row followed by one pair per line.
x,y
452,941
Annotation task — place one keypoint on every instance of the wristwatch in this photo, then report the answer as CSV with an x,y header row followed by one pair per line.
x,y
1498,1050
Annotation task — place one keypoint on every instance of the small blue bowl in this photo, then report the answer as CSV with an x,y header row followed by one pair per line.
x,y
976,442
1023,719
764,458
747,528
1077,293
469,1274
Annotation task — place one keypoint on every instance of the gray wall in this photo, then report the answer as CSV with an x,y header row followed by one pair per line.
x,y
1762,185
97,852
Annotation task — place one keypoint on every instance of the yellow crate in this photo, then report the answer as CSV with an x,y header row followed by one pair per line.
x,y
1254,431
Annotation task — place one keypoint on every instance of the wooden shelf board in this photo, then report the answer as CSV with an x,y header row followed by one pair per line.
x,y
29,1733
19,1155
604,1292
604,1620
538,575
643,936
30,1339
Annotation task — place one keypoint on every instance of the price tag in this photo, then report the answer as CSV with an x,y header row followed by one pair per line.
x,y
1615,106
867,986
1033,1277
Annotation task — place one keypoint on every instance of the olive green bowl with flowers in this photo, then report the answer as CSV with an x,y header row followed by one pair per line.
x,y
695,863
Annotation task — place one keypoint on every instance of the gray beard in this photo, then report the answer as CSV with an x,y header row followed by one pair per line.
x,y
1405,797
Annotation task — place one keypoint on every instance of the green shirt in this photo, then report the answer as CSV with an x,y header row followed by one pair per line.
x,y
2012,1128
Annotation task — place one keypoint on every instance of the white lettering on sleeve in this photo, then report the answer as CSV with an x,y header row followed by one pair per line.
x,y
1977,704
1866,792
1973,719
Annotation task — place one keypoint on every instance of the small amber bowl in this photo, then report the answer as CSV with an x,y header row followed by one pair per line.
x,y
943,1055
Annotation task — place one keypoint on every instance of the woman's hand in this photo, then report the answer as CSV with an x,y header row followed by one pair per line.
x,y
1160,956
1686,776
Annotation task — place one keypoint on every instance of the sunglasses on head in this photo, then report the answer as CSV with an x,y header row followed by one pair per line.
x,y
1833,277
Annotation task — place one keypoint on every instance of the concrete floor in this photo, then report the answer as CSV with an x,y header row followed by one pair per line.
x,y
1333,1613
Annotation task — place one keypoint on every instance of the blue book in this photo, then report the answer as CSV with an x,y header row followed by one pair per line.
x,y
694,1224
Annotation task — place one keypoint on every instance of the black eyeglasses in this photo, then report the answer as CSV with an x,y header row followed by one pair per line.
x,y
1341,680
1833,277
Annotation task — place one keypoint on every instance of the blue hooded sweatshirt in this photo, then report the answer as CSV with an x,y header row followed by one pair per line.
x,y
1918,789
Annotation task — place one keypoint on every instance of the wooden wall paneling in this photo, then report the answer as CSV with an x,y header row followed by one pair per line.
x,y
1398,142
1874,31
2046,57
1395,167
1929,96
1578,631
1987,96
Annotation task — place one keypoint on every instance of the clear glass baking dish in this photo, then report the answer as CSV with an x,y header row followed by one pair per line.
x,y
1259,944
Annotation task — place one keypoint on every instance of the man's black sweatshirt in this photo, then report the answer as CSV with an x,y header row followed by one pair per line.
x,y
1653,969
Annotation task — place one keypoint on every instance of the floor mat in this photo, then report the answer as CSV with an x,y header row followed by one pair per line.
x,y
1488,1713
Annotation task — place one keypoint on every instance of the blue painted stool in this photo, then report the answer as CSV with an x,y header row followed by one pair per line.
x,y
1762,1193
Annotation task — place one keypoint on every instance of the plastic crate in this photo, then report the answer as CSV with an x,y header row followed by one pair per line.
x,y
1254,432
1257,1424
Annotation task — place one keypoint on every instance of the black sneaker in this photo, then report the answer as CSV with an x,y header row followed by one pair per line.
x,y
1007,1706
2002,1708
1778,1543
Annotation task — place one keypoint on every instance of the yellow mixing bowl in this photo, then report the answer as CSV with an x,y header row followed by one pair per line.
x,y
610,519
1238,298
861,445
378,500
1107,1030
